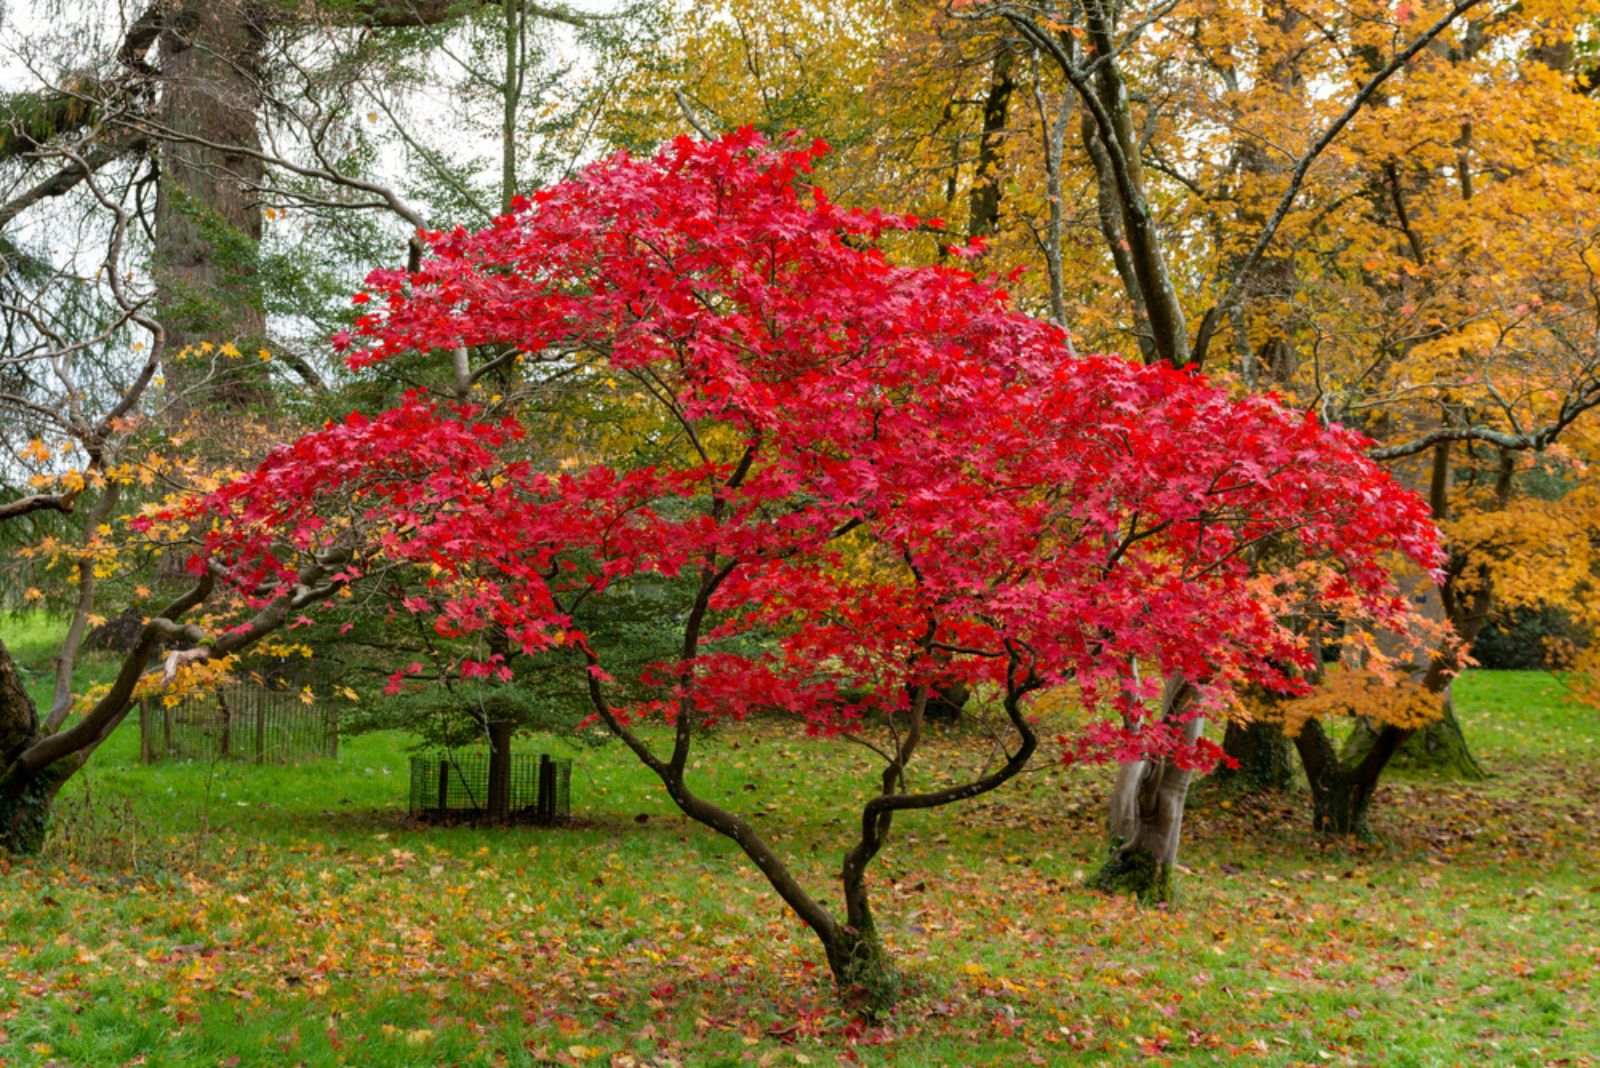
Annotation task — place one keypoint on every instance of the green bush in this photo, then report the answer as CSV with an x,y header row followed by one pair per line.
x,y
1528,639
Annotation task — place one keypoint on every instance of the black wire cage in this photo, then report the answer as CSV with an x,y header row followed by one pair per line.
x,y
455,785
244,721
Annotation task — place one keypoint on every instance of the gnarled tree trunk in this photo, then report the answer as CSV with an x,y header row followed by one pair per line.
x,y
1341,793
1342,784
1439,748
24,803
34,764
856,955
1146,817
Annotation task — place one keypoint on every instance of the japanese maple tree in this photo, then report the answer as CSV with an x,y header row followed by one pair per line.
x,y
863,480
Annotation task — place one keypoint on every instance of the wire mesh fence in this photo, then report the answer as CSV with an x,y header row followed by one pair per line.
x,y
246,721
454,785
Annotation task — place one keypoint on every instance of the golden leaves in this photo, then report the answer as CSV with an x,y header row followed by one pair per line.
x,y
1533,551
1355,692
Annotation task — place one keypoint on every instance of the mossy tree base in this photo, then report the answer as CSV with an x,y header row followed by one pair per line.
x,y
1439,749
1139,873
865,971
26,805
1264,754
1340,810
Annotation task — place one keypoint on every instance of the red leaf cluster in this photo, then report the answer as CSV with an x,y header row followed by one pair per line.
x,y
888,475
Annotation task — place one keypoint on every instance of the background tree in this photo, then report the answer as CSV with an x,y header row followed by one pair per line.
x,y
185,212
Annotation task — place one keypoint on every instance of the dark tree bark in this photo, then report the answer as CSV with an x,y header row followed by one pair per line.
x,y
1341,793
208,217
27,794
856,955
499,790
983,203
20,808
1264,754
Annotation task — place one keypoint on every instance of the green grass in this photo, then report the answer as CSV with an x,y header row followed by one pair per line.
x,y
198,914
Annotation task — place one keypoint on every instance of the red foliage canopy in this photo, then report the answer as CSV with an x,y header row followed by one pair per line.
x,y
887,473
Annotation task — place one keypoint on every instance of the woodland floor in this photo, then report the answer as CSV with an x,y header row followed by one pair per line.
x,y
202,914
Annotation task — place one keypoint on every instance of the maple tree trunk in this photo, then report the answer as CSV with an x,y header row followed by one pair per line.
x,y
857,958
19,718
1341,791
1266,759
1147,823
1146,818
27,795
1339,808
26,802
499,804
1439,748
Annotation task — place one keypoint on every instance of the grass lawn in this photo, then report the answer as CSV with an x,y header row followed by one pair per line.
x,y
199,914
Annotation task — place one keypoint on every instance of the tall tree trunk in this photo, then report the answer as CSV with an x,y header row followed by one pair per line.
x,y
983,202
499,803
1146,818
208,215
1264,755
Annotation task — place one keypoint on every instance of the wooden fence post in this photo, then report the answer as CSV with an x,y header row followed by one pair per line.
x,y
546,811
146,747
261,727
227,724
